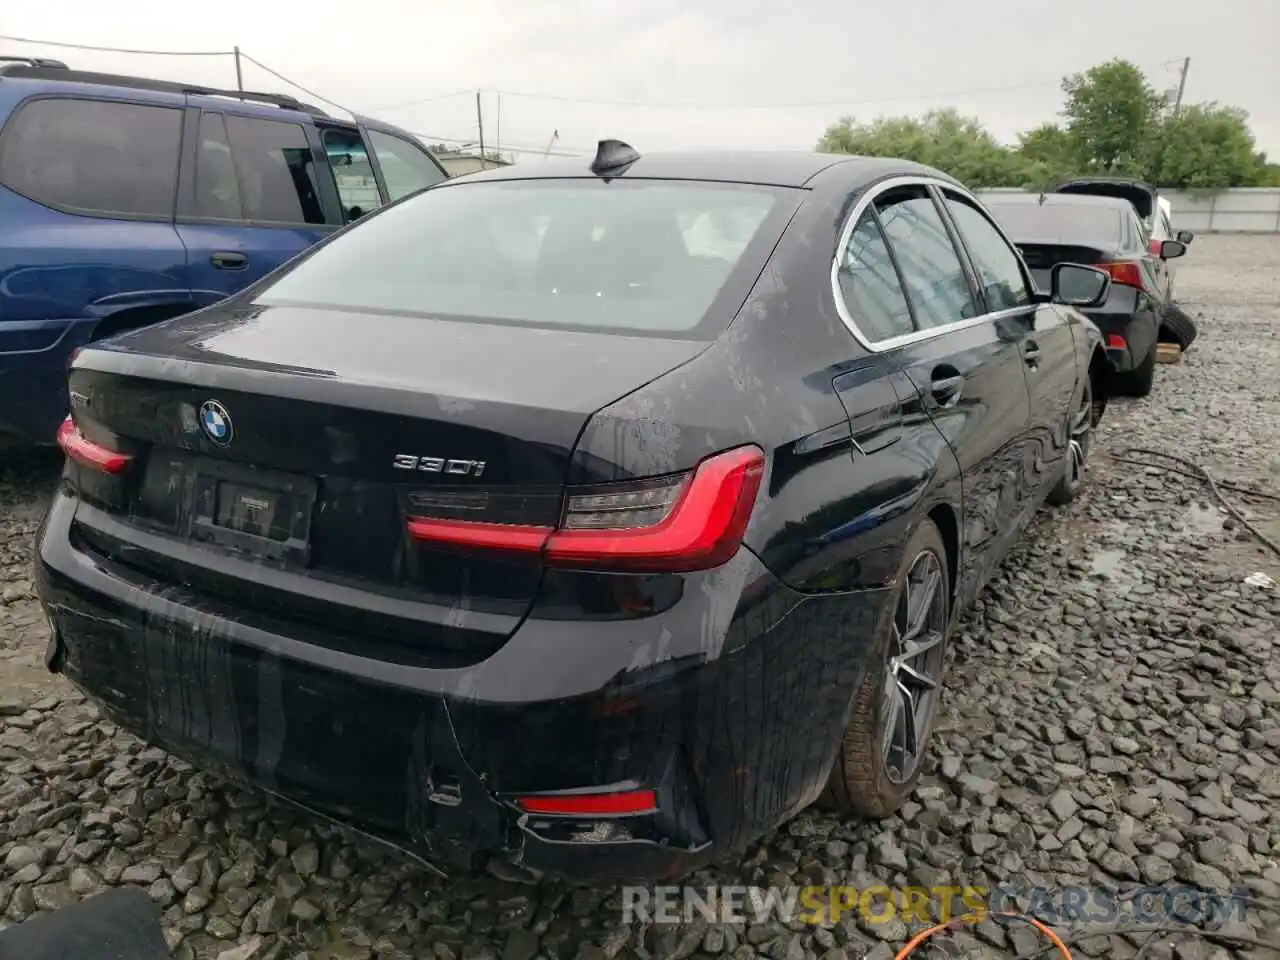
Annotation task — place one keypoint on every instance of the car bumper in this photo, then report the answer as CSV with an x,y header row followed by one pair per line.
x,y
732,740
1128,336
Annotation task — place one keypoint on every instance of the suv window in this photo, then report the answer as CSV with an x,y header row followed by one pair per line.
x,y
217,189
276,171
352,173
996,263
406,167
931,270
94,156
869,284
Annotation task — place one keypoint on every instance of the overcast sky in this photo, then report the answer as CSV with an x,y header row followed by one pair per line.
x,y
668,75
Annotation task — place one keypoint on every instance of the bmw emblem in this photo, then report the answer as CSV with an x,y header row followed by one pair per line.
x,y
216,422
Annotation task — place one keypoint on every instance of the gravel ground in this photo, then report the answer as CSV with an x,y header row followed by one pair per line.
x,y
1113,718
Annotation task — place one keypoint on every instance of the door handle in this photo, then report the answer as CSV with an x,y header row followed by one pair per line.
x,y
229,261
945,387
1031,354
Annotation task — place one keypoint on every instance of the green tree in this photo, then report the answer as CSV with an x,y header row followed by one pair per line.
x,y
1208,146
942,139
1044,156
1112,117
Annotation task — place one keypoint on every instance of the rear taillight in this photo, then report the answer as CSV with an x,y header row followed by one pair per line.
x,y
1155,247
87,453
1126,272
689,521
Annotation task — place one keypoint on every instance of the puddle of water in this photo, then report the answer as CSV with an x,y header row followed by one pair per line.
x,y
1106,563
1202,520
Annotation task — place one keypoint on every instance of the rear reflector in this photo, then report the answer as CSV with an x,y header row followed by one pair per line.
x,y
1126,272
591,804
1116,342
686,522
84,451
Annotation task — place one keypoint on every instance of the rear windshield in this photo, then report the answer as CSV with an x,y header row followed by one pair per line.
x,y
1051,223
623,256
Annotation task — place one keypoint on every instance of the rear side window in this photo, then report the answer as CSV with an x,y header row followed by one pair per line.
x,y
405,166
869,284
995,261
936,281
628,256
276,171
94,156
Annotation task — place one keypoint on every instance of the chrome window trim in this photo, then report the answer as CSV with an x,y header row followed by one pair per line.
x,y
892,343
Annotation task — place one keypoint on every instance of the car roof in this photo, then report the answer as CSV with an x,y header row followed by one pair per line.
x,y
783,168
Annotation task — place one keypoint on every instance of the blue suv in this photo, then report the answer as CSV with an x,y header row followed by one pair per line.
x,y
125,201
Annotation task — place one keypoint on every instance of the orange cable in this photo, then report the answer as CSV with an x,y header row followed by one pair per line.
x,y
921,937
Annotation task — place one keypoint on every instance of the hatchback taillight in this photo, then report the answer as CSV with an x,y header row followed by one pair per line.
x,y
679,523
1126,272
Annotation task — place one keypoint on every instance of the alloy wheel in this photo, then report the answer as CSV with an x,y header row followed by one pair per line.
x,y
916,659
1081,429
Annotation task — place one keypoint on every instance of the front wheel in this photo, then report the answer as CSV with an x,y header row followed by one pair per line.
x,y
883,748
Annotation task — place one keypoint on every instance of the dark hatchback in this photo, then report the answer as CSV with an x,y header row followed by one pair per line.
x,y
1104,232
578,518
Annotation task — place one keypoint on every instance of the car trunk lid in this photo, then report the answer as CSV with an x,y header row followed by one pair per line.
x,y
1141,195
299,509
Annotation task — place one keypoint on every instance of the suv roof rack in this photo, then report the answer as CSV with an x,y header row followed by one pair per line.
x,y
34,69
32,62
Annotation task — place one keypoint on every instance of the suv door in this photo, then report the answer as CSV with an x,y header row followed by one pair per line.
x,y
967,366
253,196
1048,346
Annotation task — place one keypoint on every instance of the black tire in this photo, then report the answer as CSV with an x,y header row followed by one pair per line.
x,y
860,782
1176,326
1138,382
1084,415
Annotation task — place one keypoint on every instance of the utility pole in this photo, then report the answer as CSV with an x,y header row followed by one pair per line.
x,y
480,126
497,130
555,135
1182,85
239,75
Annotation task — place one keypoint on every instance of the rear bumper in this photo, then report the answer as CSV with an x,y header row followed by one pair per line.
x,y
33,371
729,705
1137,331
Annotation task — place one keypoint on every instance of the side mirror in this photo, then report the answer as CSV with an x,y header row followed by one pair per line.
x,y
1185,237
1078,286
1172,249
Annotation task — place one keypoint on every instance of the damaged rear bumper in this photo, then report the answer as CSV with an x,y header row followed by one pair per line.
x,y
435,761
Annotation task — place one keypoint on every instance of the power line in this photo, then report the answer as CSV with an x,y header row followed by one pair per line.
x,y
281,76
661,105
145,53
414,103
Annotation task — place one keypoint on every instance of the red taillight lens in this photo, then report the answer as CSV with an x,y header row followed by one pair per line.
x,y
1116,341
1126,272
1155,247
84,451
691,521
591,804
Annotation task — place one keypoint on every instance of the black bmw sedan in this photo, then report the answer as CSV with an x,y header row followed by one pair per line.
x,y
584,518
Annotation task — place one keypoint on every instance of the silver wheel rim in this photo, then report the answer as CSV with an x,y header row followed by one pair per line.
x,y
914,671
1081,426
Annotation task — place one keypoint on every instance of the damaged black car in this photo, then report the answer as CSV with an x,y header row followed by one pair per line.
x,y
579,518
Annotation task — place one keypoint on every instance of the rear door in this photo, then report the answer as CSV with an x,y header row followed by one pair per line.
x,y
1048,348
967,366
253,195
